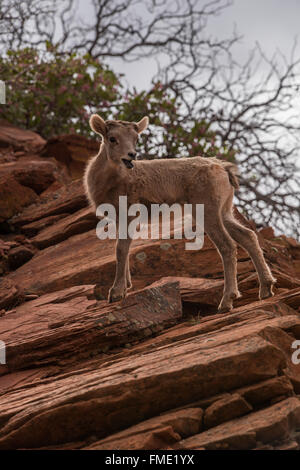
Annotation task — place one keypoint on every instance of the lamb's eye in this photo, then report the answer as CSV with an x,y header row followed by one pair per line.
x,y
113,139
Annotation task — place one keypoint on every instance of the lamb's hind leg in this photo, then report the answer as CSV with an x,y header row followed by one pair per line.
x,y
217,233
248,240
119,288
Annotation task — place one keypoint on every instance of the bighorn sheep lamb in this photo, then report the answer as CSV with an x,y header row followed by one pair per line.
x,y
112,173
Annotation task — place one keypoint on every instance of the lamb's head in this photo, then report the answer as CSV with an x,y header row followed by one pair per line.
x,y
119,138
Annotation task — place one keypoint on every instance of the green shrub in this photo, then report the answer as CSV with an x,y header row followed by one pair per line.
x,y
54,93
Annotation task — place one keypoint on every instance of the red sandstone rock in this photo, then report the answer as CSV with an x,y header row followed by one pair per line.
x,y
72,150
94,262
20,139
13,197
207,292
33,172
124,393
196,362
80,222
19,256
67,199
9,294
151,434
219,354
225,409
268,425
268,390
59,326
267,233
33,228
137,374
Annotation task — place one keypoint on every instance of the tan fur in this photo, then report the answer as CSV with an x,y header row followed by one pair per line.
x,y
194,180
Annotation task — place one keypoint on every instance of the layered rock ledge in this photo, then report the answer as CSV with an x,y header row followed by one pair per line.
x,y
158,370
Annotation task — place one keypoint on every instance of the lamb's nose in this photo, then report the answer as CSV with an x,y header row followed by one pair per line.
x,y
132,155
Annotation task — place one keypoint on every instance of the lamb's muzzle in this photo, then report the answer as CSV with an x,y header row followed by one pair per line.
x,y
128,161
195,180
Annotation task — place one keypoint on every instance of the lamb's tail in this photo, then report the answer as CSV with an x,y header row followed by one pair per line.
x,y
232,172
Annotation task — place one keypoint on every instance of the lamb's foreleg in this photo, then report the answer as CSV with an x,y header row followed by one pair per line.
x,y
128,275
119,287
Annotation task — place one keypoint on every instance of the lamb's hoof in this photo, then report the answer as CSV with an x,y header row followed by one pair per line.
x,y
129,285
115,295
224,309
225,306
238,295
266,291
226,303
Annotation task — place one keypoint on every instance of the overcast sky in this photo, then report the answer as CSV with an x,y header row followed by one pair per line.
x,y
273,23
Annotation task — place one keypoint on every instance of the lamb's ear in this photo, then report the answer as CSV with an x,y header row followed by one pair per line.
x,y
97,124
142,124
